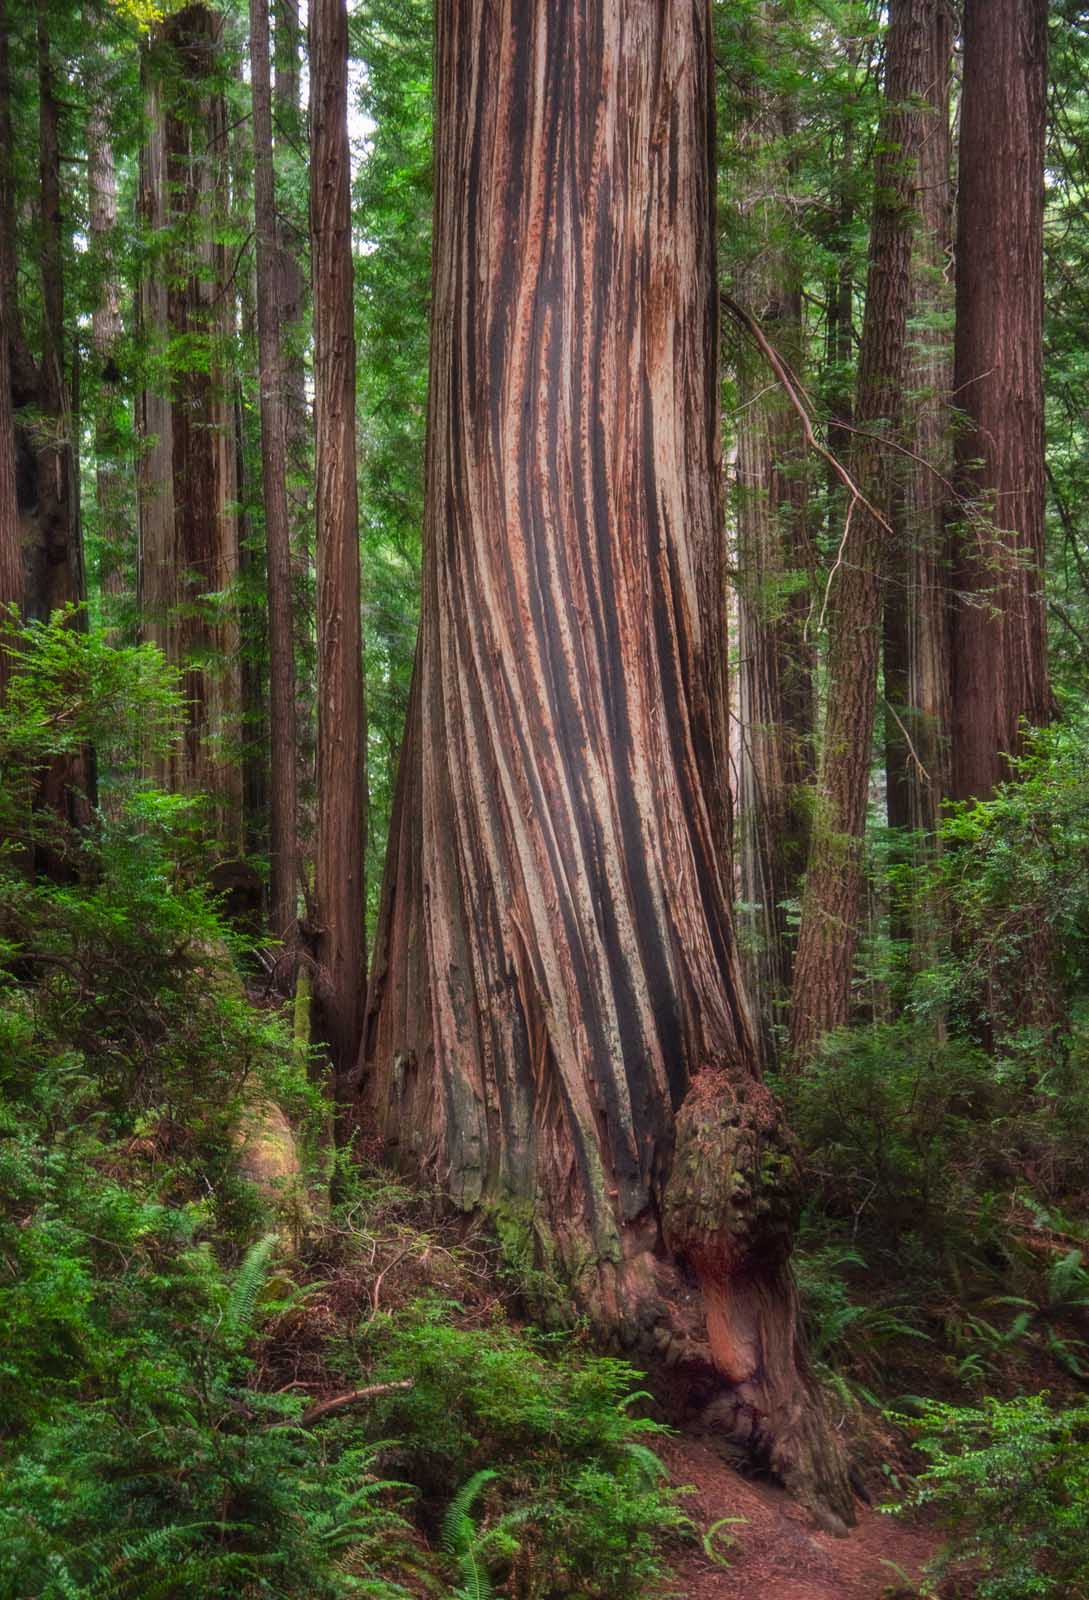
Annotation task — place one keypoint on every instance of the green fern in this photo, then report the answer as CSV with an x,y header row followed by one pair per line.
x,y
241,1313
462,1540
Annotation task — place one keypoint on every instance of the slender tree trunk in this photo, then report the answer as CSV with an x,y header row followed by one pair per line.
x,y
291,279
776,708
188,527
556,1023
11,550
341,766
106,330
289,139
283,847
917,621
57,562
930,438
832,899
999,657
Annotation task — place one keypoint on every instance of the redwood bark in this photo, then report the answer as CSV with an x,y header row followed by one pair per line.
x,y
832,898
187,486
999,642
930,438
282,787
556,1022
341,763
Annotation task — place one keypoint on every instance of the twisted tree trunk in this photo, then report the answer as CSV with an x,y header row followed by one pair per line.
x,y
556,1025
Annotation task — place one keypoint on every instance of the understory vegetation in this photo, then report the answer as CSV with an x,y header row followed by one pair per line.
x,y
218,1386
169,1328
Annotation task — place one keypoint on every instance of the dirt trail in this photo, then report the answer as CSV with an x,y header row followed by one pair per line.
x,y
778,1556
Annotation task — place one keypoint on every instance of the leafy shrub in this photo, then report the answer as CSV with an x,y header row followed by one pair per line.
x,y
179,1480
889,1116
556,1426
1010,1480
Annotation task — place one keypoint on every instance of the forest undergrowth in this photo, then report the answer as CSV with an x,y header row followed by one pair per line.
x,y
326,1382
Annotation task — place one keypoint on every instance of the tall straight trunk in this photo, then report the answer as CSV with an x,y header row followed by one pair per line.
x,y
283,848
56,574
11,551
930,439
54,571
776,708
341,764
832,898
999,657
106,329
289,136
187,480
556,1023
291,279
917,621
246,400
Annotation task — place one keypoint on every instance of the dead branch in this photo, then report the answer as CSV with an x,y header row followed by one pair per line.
x,y
352,1397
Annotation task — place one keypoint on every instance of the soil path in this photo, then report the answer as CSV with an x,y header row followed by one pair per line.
x,y
778,1555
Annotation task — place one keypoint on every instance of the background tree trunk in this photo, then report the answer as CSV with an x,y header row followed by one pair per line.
x,y
917,597
189,553
999,658
832,898
106,329
11,550
556,1024
282,839
776,659
341,765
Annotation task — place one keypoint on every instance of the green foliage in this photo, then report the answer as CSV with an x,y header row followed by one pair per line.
x,y
557,1424
393,203
1010,1480
891,1114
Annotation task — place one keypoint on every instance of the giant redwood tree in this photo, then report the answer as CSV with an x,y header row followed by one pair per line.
x,y
556,1024
999,641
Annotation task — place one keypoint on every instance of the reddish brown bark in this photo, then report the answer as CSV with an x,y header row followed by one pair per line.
x,y
999,657
188,528
556,1022
283,847
832,898
341,763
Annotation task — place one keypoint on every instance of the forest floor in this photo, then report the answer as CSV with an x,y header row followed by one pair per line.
x,y
778,1555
